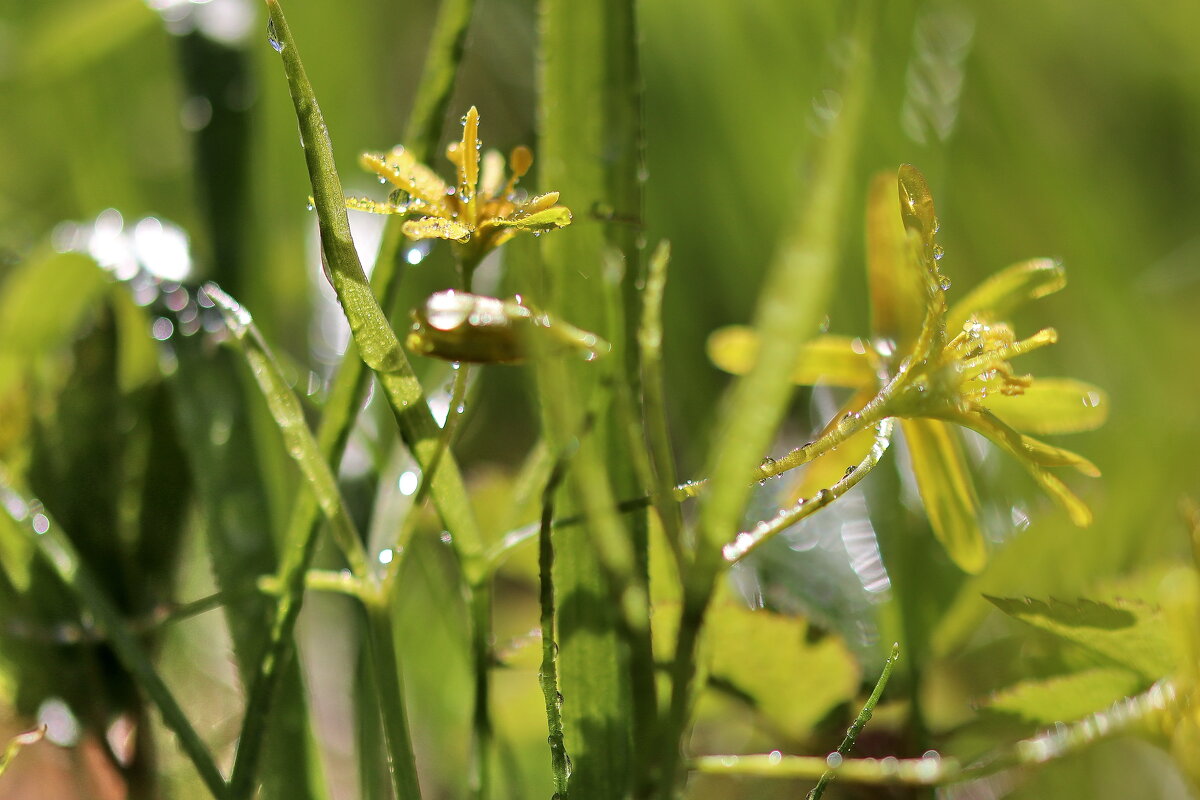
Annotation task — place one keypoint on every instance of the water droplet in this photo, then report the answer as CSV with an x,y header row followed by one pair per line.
x,y
1092,399
446,538
775,757
938,252
849,471
408,483
833,760
273,37
944,283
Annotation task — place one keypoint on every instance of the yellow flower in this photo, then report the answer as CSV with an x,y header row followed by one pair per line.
x,y
480,211
942,367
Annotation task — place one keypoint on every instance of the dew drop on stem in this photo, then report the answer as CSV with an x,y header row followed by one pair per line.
x,y
273,37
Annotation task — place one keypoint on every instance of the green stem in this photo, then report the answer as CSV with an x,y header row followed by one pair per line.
x,y
322,580
657,431
480,598
55,546
934,770
859,723
560,762
381,644
348,388
747,541
376,341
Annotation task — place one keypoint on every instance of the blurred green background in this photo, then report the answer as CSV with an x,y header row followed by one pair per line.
x,y
1069,130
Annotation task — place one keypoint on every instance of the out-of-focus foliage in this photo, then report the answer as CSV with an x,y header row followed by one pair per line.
x,y
1065,129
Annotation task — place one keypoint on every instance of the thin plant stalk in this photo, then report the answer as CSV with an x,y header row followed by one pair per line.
x,y
860,722
349,385
934,770
560,761
380,349
654,405
381,647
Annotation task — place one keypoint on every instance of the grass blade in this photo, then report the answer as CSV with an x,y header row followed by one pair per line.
x,y
377,343
289,416
57,548
350,383
798,284
591,152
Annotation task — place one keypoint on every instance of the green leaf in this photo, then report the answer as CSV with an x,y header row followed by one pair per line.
x,y
1066,697
215,423
946,491
1052,405
289,416
57,549
767,658
590,152
42,304
826,360
1007,290
1129,633
769,661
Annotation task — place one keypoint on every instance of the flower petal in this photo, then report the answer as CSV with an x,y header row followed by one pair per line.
x,y
1006,290
1024,448
946,490
467,157
436,228
897,282
826,360
1052,405
399,168
374,207
544,220
539,203
1035,456
1077,510
491,175
916,205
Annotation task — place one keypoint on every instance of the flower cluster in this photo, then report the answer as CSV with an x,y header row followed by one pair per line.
x,y
937,367
480,212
